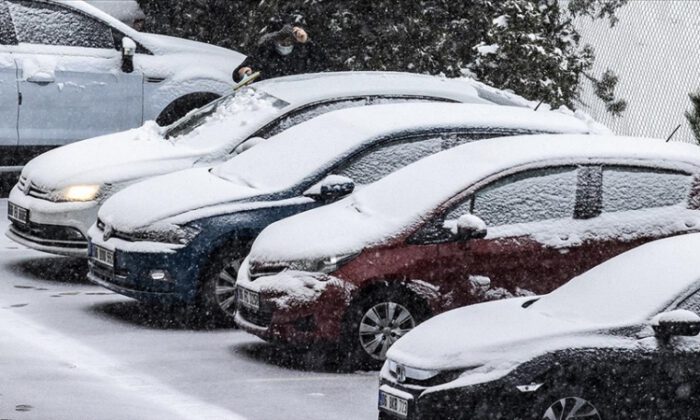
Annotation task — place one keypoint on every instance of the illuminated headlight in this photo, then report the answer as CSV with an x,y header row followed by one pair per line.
x,y
326,265
78,193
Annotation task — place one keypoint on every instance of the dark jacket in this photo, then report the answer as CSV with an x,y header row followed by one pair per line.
x,y
305,58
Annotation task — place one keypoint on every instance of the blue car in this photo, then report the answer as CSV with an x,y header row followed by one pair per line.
x,y
180,238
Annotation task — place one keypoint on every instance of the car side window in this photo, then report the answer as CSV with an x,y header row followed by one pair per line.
x,y
634,188
378,162
529,196
305,113
691,303
52,24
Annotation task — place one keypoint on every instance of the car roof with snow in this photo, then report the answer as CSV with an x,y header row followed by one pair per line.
x,y
628,290
409,196
348,130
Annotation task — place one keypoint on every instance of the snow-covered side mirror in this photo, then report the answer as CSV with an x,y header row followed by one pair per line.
x,y
466,227
248,144
128,52
676,323
331,188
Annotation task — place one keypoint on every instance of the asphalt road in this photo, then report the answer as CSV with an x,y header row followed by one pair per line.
x,y
71,350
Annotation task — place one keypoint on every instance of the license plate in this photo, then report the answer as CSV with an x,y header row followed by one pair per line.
x,y
104,256
249,299
393,404
17,213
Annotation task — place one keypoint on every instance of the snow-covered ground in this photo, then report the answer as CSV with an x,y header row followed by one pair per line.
x,y
71,350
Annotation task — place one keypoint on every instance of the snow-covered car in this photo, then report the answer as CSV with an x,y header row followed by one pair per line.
x,y
69,71
618,342
59,192
181,237
488,220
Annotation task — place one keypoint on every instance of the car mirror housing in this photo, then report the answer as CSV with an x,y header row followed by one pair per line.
x,y
466,227
128,52
331,188
680,322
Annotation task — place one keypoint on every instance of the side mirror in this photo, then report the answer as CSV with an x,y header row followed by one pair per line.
x,y
331,188
248,144
128,52
676,323
466,227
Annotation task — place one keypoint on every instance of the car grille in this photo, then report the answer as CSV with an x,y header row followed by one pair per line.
x,y
261,318
33,190
48,235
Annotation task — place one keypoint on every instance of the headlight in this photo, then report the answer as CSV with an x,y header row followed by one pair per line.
x,y
78,193
178,236
424,377
325,265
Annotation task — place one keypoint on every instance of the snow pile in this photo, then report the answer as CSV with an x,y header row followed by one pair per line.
x,y
497,336
408,197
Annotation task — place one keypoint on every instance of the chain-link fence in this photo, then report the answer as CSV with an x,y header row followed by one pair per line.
x,y
655,50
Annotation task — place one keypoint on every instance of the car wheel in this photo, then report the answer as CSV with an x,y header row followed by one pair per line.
x,y
376,322
571,408
217,300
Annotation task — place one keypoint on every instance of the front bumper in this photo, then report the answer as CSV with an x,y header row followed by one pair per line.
x,y
283,317
56,228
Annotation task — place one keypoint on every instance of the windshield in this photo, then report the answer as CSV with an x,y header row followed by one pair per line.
x,y
248,99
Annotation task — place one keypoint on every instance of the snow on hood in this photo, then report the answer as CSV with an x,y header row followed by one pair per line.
x,y
113,158
395,204
625,291
152,201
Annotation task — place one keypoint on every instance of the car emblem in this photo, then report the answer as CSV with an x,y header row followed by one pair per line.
x,y
401,373
109,230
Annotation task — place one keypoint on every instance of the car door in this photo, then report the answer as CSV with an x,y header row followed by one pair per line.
x,y
70,76
626,206
527,215
9,94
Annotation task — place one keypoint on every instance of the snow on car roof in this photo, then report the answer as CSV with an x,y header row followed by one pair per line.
x,y
288,158
407,197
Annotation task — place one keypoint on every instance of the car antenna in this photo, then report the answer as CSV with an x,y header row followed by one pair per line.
x,y
539,104
673,134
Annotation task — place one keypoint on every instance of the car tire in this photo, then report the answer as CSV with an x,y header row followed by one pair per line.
x,y
216,300
376,321
571,407
181,106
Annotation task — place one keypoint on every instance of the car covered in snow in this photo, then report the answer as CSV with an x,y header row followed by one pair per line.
x,y
182,237
488,220
618,342
59,192
69,71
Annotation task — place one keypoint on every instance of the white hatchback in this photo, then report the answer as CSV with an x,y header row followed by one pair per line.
x,y
69,71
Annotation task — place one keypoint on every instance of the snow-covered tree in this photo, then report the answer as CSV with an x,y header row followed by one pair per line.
x,y
528,46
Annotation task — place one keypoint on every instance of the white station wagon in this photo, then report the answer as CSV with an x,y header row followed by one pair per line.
x,y
69,71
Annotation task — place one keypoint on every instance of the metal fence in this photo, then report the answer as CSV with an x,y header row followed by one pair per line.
x,y
655,50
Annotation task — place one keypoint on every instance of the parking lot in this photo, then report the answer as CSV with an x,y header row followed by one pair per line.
x,y
72,350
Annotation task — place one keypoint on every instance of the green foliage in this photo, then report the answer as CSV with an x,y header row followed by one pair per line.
x,y
605,90
597,9
693,116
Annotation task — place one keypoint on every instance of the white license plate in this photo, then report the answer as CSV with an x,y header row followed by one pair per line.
x,y
17,213
104,256
249,299
393,404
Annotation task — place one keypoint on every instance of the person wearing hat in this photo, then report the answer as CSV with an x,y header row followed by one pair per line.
x,y
282,53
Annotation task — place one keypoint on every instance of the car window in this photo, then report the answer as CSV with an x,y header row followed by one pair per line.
x,y
691,303
310,111
631,188
51,24
528,196
7,30
373,165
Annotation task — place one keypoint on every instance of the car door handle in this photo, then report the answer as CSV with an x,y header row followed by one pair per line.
x,y
41,78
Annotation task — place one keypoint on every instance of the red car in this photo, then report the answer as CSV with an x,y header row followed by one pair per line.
x,y
494,219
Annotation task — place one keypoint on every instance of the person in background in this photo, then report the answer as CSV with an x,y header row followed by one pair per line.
x,y
282,53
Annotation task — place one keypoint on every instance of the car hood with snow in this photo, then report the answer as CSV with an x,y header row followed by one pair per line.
x,y
394,205
627,291
284,163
